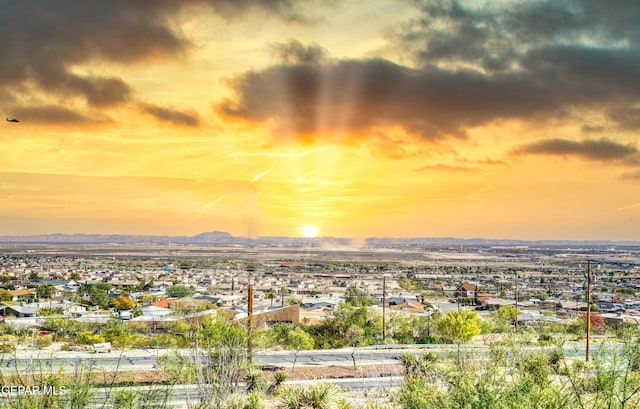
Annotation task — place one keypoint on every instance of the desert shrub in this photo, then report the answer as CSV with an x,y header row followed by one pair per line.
x,y
169,341
139,328
44,341
6,348
255,381
87,338
132,341
125,399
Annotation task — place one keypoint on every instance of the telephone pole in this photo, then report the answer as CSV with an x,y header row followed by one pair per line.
x,y
384,302
250,324
516,297
587,347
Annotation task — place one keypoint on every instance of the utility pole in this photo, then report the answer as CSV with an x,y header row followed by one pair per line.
x,y
384,302
587,347
250,324
516,296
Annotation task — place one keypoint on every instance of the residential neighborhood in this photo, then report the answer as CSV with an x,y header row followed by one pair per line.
x,y
543,284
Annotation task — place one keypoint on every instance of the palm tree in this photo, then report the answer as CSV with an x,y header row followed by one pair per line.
x,y
271,295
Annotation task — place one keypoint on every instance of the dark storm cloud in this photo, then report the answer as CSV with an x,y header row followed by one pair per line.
x,y
591,149
429,102
531,60
170,115
44,40
627,117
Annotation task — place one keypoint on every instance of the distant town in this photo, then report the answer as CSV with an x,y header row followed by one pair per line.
x,y
313,294
38,278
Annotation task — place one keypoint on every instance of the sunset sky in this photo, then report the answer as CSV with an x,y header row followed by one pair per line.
x,y
497,119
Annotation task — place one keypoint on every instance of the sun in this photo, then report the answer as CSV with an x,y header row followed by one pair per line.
x,y
309,231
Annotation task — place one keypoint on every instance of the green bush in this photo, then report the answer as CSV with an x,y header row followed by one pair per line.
x,y
7,348
43,341
170,341
87,338
132,341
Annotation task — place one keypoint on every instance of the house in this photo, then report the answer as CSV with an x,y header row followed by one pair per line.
x,y
207,298
289,314
23,294
398,300
617,320
494,303
19,311
409,306
466,291
165,303
72,309
313,303
535,319
156,311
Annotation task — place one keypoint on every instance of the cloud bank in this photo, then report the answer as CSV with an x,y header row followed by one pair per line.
x,y
472,65
45,41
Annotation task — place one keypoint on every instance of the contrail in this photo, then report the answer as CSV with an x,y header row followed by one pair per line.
x,y
206,207
260,175
631,206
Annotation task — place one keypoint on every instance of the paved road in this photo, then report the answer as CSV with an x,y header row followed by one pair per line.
x,y
126,360
139,360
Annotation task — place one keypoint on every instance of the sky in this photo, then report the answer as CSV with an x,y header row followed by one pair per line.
x,y
510,119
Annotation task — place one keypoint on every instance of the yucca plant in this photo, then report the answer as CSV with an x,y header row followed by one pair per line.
x,y
278,380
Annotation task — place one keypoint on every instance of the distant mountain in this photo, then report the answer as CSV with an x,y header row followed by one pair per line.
x,y
215,237
224,238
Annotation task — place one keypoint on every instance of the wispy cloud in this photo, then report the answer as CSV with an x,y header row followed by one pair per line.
x,y
262,174
445,167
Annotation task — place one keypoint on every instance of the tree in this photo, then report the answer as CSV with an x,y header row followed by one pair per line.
x,y
123,302
99,298
271,295
597,321
45,290
45,312
294,338
34,276
5,295
298,339
354,337
283,291
95,294
458,326
179,291
358,298
506,315
410,329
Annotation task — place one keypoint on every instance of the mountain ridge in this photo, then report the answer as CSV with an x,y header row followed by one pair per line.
x,y
225,238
